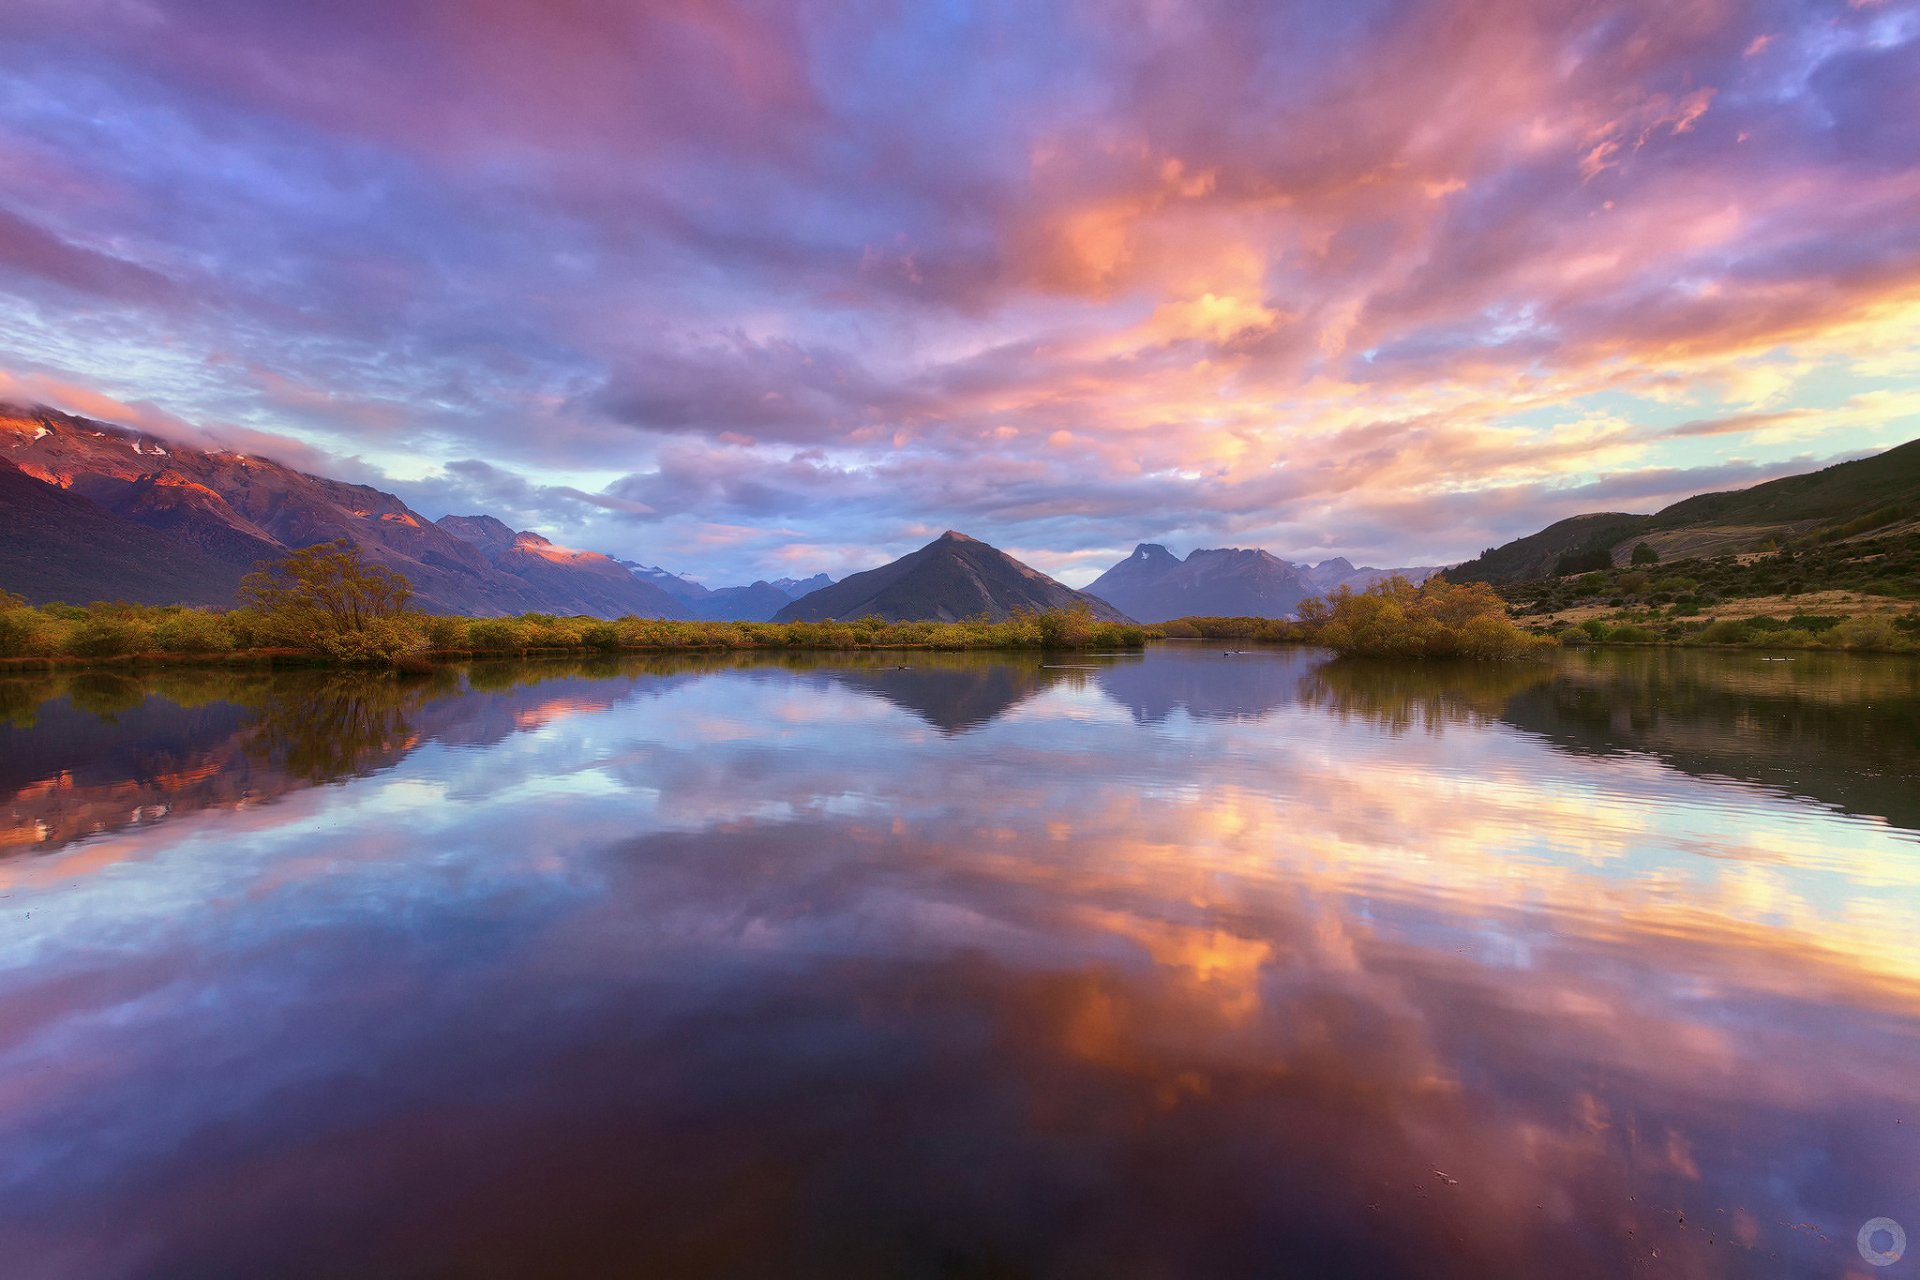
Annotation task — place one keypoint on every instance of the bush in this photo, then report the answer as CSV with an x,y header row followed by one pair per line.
x,y
30,633
1644,554
496,635
445,633
1437,619
193,631
1871,631
1791,638
1725,631
375,640
109,635
1627,633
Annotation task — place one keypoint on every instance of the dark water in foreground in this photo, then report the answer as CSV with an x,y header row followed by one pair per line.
x,y
1184,965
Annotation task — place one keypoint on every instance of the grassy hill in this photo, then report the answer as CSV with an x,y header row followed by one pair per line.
x,y
1858,518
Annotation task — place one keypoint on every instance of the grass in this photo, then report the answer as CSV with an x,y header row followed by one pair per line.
x,y
118,633
1861,632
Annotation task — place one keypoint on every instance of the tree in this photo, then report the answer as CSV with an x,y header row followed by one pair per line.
x,y
1644,554
331,596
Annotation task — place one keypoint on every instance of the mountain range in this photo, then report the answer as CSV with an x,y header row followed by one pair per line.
x,y
1878,495
96,511
951,578
1154,585
756,602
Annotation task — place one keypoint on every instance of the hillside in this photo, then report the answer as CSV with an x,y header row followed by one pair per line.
x,y
1879,495
757,602
951,578
568,581
1538,554
61,546
97,511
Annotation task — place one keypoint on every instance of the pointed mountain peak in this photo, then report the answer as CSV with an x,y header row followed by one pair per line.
x,y
954,535
1152,551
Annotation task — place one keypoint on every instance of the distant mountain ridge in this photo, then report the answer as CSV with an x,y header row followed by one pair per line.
x,y
1879,493
1154,585
951,578
97,511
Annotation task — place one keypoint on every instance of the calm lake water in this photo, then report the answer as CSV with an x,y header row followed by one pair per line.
x,y
1162,966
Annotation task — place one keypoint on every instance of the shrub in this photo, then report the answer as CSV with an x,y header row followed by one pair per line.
x,y
29,633
1791,638
445,633
1725,631
496,635
193,631
1590,585
374,640
1870,631
1437,619
1644,554
109,635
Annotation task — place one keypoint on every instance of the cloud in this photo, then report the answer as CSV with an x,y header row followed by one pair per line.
x,y
1074,275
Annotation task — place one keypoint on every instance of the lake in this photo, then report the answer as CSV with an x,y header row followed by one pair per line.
x,y
1162,965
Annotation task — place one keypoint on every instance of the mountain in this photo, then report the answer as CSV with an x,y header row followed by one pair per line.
x,y
756,603
565,581
1538,554
794,588
1876,494
674,584
1155,585
98,511
61,546
1331,575
951,578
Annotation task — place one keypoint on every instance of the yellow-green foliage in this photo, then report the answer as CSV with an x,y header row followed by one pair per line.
x,y
1392,618
1438,619
103,632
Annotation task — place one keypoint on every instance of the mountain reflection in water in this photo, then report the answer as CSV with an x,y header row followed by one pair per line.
x,y
960,965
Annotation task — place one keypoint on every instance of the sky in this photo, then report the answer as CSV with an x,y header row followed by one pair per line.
x,y
752,289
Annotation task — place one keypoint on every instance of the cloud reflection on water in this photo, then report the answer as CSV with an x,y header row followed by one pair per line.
x,y
676,971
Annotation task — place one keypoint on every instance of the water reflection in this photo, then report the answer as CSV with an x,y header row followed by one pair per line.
x,y
1183,966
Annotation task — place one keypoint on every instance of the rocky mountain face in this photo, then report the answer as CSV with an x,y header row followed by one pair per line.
x,y
1331,575
1154,585
794,588
951,578
674,584
568,581
758,602
96,511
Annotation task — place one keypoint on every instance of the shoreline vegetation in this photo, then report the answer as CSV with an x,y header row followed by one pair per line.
x,y
1851,587
327,605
